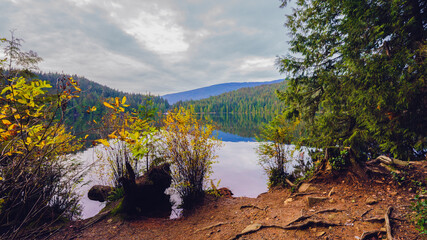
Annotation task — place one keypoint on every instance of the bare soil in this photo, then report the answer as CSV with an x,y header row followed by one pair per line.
x,y
227,217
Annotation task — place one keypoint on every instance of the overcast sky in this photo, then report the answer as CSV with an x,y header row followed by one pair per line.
x,y
155,46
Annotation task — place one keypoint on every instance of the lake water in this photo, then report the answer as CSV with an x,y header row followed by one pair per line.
x,y
236,167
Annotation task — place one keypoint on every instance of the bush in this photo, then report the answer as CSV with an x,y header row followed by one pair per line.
x,y
274,150
37,177
191,149
420,209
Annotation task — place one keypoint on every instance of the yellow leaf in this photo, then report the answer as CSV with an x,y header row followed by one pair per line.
x,y
1,178
93,109
6,122
12,127
112,135
2,116
87,135
104,142
123,100
108,105
117,101
94,121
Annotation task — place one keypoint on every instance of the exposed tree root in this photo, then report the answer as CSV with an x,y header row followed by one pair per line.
x,y
363,214
302,218
311,223
303,194
253,206
387,223
289,182
211,226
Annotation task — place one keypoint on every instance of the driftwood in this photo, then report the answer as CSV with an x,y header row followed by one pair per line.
x,y
387,223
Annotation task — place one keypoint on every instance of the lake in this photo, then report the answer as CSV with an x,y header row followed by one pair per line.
x,y
236,167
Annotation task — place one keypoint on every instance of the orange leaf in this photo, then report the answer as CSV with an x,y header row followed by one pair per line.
x,y
6,122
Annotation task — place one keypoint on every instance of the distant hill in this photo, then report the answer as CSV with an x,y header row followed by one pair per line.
x,y
214,90
241,112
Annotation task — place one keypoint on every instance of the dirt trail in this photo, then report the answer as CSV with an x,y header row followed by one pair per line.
x,y
351,209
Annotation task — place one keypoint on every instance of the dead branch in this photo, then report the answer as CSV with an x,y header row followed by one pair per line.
x,y
387,223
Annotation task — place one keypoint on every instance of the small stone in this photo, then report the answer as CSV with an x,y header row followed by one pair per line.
x,y
110,220
287,201
383,229
304,187
252,228
393,193
313,229
331,200
371,201
319,234
353,201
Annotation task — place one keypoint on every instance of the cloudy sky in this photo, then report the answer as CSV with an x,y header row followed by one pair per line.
x,y
156,46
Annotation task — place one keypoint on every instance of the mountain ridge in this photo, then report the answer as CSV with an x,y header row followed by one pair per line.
x,y
213,90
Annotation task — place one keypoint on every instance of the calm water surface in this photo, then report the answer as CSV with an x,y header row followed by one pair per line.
x,y
236,167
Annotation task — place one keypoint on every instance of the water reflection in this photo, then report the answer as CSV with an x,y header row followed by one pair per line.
x,y
236,167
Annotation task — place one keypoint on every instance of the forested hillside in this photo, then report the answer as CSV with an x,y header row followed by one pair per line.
x,y
214,90
242,112
93,95
255,100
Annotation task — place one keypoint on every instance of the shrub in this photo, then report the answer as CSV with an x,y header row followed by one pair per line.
x,y
37,177
191,149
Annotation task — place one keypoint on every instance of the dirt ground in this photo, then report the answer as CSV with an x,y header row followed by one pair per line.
x,y
348,210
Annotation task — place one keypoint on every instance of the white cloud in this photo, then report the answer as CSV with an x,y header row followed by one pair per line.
x,y
257,64
158,46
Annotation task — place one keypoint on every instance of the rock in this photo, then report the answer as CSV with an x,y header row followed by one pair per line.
x,y
311,201
287,201
371,201
251,228
304,187
99,193
225,192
